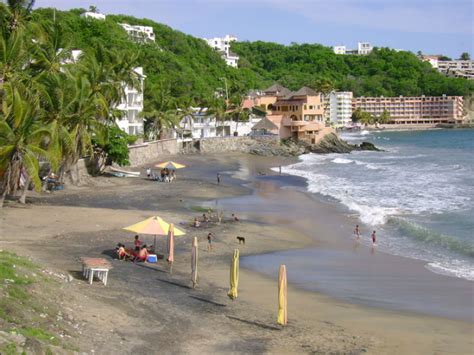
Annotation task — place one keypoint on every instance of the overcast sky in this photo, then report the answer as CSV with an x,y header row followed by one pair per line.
x,y
432,26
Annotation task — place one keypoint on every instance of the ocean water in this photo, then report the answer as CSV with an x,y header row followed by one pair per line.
x,y
418,193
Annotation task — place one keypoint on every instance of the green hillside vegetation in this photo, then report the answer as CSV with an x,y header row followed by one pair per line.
x,y
186,70
183,66
383,72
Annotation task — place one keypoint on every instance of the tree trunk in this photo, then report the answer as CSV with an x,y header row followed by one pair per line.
x,y
22,199
6,185
2,198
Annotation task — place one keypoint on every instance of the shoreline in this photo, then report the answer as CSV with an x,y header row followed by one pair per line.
x,y
330,244
317,322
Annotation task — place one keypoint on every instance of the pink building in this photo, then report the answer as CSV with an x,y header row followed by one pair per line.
x,y
421,110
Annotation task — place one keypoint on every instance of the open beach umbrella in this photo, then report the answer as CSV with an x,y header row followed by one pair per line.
x,y
194,262
282,297
171,247
170,165
234,275
154,226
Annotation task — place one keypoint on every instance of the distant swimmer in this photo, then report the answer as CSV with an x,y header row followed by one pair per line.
x,y
357,232
374,239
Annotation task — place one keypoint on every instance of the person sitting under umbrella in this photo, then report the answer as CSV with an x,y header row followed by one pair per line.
x,y
142,254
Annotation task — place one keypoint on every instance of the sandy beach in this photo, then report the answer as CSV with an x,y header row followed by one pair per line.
x,y
144,309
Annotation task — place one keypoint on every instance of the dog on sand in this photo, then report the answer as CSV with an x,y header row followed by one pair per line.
x,y
241,240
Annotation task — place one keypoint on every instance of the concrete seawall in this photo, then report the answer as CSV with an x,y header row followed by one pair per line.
x,y
232,144
151,151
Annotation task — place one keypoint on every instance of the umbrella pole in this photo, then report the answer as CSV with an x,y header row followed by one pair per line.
x,y
154,245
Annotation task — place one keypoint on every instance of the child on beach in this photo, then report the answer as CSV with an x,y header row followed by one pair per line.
x,y
209,241
218,179
137,243
196,223
357,232
374,238
235,218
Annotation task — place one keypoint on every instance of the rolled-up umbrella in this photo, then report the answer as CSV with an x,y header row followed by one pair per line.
x,y
234,275
171,247
194,262
282,297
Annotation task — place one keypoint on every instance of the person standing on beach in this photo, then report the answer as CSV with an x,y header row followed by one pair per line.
x,y
279,169
209,242
218,179
357,232
374,238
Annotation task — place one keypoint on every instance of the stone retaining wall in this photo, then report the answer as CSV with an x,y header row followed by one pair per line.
x,y
231,144
151,151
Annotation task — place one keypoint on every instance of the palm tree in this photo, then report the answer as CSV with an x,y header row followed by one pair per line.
x,y
325,87
160,111
217,107
22,140
237,111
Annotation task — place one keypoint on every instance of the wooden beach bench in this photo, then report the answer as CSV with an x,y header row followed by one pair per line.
x,y
95,266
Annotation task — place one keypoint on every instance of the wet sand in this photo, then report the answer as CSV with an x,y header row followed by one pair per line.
x,y
144,309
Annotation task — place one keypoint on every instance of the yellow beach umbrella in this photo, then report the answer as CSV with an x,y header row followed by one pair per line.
x,y
234,275
170,165
194,262
282,297
154,226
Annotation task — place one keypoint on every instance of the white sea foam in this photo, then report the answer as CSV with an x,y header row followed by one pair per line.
x,y
342,161
464,270
416,183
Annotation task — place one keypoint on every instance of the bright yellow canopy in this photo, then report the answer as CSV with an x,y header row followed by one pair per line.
x,y
170,165
153,225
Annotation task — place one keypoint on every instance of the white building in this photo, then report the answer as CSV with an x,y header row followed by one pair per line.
x,y
94,15
363,48
339,111
232,59
132,100
432,59
140,34
201,125
132,106
222,45
339,49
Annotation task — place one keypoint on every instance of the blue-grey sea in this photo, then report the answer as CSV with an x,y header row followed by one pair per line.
x,y
418,194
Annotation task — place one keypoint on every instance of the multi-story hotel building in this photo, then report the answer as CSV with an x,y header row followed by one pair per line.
x,y
422,110
132,105
338,108
457,68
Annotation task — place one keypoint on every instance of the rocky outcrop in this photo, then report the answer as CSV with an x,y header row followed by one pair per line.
x,y
331,143
284,148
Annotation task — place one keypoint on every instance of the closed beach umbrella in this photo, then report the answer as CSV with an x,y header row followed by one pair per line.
x,y
282,297
194,262
170,165
234,275
153,226
171,247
